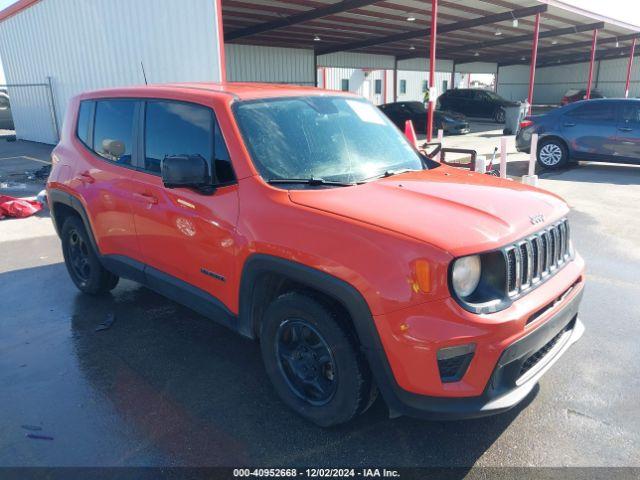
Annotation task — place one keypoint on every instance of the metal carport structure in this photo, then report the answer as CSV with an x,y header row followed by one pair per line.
x,y
502,32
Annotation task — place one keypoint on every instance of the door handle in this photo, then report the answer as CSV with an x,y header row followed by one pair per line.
x,y
569,125
145,197
625,129
86,177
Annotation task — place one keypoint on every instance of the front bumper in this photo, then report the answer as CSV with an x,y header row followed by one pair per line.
x,y
512,353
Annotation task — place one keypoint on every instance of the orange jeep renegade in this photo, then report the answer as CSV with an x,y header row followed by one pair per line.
x,y
303,218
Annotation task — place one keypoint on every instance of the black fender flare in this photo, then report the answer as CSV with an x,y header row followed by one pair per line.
x,y
341,291
56,196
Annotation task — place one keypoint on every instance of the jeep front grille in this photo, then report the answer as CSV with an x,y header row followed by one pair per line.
x,y
536,258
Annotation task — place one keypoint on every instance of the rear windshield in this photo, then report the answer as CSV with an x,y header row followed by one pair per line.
x,y
331,138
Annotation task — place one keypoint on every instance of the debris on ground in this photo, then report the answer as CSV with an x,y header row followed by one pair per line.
x,y
42,198
106,324
33,428
18,207
38,437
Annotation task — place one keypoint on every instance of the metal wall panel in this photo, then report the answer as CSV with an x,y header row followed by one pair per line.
x,y
356,60
248,63
552,82
91,44
422,65
477,67
358,83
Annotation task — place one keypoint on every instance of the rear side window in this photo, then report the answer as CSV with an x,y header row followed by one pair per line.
x,y
600,111
84,122
113,130
184,129
631,112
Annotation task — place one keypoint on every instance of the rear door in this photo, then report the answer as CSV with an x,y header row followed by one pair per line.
x,y
106,132
628,134
183,233
590,129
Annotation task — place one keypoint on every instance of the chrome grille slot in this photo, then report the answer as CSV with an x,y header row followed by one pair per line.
x,y
534,259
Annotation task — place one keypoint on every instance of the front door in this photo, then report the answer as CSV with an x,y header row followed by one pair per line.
x,y
184,233
629,131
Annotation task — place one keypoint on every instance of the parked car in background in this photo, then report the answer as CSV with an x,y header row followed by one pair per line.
x,y
606,130
475,103
399,112
575,95
6,120
305,220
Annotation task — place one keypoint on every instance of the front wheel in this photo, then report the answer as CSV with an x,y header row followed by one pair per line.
x,y
313,360
552,154
499,115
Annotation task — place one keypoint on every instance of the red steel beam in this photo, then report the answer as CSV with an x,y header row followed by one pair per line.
x,y
594,44
629,66
534,59
432,66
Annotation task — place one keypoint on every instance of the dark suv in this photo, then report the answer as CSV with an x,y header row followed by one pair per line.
x,y
475,103
604,130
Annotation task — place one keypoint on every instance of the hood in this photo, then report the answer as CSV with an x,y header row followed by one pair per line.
x,y
455,210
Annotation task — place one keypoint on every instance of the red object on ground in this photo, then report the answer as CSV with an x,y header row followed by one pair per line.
x,y
410,132
18,207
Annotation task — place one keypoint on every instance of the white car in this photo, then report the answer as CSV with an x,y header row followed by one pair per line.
x,y
6,120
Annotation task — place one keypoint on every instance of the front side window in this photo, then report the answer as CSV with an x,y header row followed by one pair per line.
x,y
173,128
113,130
330,138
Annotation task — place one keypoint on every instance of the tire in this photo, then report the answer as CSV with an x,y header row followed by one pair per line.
x,y
313,362
499,116
81,260
552,154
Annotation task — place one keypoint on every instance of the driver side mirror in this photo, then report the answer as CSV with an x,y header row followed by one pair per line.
x,y
191,171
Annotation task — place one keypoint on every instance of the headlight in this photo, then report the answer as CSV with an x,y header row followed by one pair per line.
x,y
466,275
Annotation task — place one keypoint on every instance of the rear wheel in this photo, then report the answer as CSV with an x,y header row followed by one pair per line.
x,y
82,263
313,361
552,154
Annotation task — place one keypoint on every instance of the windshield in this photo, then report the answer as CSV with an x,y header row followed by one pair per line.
x,y
331,138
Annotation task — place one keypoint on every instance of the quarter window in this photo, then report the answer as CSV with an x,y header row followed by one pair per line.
x,y
84,118
113,130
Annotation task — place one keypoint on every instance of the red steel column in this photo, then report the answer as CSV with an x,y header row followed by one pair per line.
x,y
384,86
633,51
221,53
432,66
594,44
534,59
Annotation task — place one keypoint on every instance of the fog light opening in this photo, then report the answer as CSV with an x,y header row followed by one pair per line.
x,y
453,362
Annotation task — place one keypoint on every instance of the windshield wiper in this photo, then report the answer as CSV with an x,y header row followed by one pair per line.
x,y
309,181
388,173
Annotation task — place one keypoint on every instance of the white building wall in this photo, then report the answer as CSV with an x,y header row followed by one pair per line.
x,y
363,83
551,83
356,60
90,44
248,63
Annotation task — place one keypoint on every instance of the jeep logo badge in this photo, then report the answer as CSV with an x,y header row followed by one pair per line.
x,y
536,219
